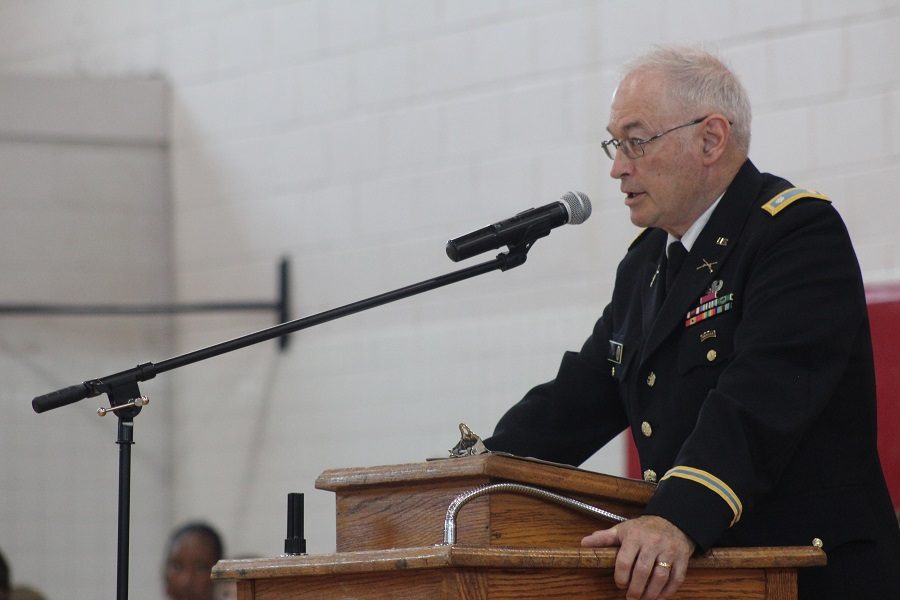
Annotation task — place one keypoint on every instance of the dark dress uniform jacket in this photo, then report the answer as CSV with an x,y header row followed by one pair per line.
x,y
750,391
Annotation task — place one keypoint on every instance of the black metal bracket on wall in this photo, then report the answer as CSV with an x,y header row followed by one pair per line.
x,y
281,306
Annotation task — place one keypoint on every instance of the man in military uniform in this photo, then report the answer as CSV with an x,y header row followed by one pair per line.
x,y
736,347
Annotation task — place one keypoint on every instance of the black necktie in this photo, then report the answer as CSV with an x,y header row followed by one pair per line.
x,y
676,255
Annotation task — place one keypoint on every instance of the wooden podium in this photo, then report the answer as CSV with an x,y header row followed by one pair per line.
x,y
390,529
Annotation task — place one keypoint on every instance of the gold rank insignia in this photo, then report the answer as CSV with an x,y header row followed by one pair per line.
x,y
788,197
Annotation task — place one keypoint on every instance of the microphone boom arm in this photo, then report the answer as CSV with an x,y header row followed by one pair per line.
x,y
126,380
123,391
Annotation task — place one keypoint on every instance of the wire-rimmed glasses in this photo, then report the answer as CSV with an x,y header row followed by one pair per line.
x,y
634,147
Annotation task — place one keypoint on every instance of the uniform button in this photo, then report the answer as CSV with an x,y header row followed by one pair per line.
x,y
651,379
613,373
711,355
646,429
650,475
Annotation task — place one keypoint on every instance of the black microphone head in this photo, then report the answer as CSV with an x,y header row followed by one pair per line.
x,y
578,205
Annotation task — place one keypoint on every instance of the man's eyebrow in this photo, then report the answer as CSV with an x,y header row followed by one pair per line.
x,y
630,125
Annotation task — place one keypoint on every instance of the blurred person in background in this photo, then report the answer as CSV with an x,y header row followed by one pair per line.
x,y
192,551
4,578
24,592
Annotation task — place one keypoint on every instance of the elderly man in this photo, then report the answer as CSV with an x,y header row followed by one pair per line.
x,y
736,346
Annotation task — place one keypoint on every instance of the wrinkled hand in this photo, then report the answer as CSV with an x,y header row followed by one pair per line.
x,y
643,543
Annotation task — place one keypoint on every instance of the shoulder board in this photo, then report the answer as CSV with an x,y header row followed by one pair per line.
x,y
788,197
638,238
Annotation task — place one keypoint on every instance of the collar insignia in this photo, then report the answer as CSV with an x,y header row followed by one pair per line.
x,y
709,265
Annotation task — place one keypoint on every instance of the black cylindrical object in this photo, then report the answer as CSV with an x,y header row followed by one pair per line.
x,y
294,543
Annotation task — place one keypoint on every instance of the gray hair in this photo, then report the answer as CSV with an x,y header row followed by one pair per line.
x,y
699,79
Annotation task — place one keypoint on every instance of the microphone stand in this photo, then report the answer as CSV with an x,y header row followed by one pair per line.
x,y
126,401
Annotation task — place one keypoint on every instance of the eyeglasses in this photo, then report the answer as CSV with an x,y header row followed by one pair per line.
x,y
634,147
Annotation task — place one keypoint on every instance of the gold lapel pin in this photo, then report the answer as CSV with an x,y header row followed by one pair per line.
x,y
709,265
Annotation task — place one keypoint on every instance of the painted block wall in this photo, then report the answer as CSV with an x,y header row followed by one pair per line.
x,y
356,137
84,220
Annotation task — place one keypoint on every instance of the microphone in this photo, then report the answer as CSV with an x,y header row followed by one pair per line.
x,y
524,228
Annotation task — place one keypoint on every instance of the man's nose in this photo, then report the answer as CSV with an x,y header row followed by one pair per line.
x,y
621,165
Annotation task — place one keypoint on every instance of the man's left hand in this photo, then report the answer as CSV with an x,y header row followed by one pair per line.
x,y
652,559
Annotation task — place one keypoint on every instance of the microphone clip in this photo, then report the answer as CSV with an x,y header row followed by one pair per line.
x,y
515,256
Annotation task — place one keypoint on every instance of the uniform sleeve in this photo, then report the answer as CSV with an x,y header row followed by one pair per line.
x,y
803,307
569,418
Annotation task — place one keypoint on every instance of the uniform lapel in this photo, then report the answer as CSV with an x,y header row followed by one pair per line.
x,y
706,258
651,282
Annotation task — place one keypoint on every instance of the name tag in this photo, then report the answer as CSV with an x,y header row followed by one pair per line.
x,y
615,352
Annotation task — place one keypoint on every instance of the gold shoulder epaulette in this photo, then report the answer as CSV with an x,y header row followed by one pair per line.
x,y
638,238
787,197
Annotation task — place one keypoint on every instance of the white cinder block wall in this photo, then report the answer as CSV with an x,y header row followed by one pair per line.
x,y
84,220
356,137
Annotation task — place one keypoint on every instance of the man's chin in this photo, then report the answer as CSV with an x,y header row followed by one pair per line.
x,y
638,219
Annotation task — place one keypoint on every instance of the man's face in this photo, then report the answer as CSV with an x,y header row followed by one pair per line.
x,y
664,187
188,568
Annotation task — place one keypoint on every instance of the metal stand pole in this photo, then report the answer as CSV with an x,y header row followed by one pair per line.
x,y
126,401
125,441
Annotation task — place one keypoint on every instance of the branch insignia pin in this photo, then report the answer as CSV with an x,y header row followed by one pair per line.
x,y
708,264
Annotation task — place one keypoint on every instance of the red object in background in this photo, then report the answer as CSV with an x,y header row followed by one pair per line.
x,y
633,465
884,319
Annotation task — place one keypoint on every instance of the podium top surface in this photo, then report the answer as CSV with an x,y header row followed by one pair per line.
x,y
494,467
437,557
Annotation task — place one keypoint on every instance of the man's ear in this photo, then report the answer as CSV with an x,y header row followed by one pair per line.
x,y
715,135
